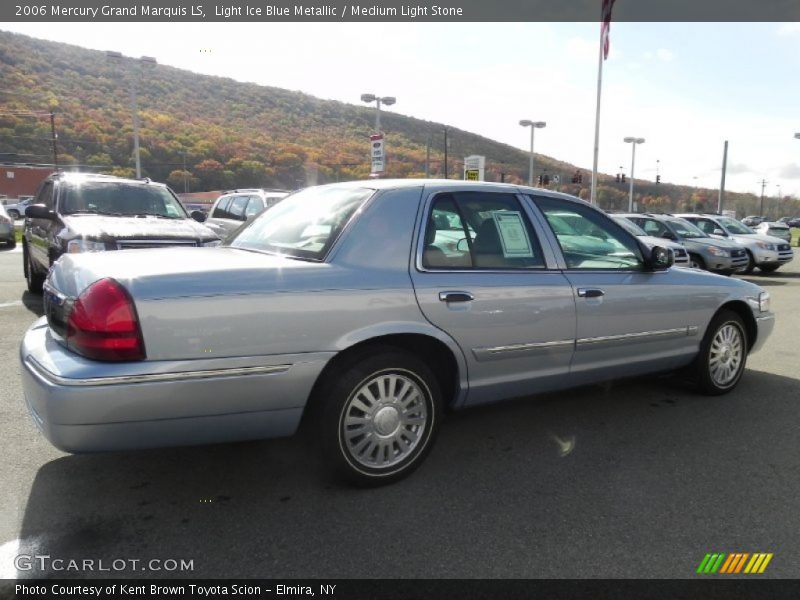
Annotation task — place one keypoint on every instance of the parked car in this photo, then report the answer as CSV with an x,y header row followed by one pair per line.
x,y
16,210
753,220
80,212
794,222
705,252
338,307
778,230
679,252
235,207
763,251
7,234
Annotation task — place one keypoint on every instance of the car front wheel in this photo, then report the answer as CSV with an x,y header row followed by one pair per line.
x,y
696,262
34,280
380,417
751,264
723,354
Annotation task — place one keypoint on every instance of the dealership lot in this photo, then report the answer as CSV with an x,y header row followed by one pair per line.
x,y
633,479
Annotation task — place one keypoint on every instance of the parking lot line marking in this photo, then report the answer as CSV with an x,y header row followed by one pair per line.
x,y
13,303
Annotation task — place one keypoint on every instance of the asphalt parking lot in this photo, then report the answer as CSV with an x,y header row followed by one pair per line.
x,y
631,479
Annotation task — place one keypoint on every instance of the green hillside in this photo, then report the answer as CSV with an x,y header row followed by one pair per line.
x,y
231,134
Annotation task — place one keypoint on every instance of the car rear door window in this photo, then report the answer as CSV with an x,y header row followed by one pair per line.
x,y
236,210
221,210
254,206
479,230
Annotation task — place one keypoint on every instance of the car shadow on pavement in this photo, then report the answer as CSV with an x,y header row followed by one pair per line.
x,y
33,302
618,464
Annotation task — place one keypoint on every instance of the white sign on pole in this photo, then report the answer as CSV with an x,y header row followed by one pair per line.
x,y
377,153
474,167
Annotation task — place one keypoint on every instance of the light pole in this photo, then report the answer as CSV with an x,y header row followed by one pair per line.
x,y
143,61
387,100
533,125
633,141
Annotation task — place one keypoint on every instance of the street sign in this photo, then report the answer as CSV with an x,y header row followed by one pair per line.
x,y
474,167
377,155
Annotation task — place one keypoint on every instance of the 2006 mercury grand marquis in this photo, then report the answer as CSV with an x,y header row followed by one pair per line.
x,y
370,307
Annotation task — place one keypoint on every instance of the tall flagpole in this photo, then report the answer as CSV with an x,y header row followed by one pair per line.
x,y
593,194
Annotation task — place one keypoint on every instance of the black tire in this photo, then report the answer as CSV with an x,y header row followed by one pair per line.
x,y
725,337
11,244
696,262
34,279
751,264
382,430
769,269
13,214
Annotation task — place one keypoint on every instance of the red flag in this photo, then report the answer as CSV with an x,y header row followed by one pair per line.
x,y
607,6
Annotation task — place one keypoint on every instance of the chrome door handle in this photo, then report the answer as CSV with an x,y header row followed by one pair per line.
x,y
590,292
456,297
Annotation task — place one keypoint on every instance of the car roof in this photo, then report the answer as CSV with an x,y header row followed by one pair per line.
x,y
77,177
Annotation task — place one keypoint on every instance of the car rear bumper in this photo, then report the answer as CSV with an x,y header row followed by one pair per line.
x,y
86,406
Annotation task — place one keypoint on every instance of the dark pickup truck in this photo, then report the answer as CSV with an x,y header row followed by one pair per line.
x,y
80,212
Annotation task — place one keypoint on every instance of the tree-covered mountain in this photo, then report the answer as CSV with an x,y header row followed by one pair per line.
x,y
231,134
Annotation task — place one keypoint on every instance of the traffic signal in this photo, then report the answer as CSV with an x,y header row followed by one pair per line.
x,y
623,178
618,179
658,178
539,180
580,177
546,179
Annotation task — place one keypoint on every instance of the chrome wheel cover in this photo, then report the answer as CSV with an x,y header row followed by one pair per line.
x,y
384,420
726,355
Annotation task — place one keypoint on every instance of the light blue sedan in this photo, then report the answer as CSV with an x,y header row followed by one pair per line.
x,y
365,310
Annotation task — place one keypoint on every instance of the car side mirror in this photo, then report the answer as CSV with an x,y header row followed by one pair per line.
x,y
198,215
669,236
660,258
39,211
720,232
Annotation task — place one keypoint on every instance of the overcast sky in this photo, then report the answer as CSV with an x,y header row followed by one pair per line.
x,y
685,88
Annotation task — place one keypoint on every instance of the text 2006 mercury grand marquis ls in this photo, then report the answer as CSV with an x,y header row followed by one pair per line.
x,y
367,308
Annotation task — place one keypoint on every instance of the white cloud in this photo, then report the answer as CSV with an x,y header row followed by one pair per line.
x,y
664,55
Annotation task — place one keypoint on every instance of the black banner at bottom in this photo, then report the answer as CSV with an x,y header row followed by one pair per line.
x,y
398,589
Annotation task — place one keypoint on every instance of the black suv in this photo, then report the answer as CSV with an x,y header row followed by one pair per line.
x,y
81,212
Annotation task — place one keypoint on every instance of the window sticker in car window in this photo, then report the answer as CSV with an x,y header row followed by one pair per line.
x,y
513,235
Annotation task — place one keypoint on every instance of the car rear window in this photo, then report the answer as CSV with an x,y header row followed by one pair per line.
x,y
305,224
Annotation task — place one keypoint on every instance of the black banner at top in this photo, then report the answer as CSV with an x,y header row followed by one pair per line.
x,y
394,10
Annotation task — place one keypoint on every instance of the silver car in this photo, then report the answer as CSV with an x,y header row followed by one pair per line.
x,y
680,253
705,252
774,229
366,309
233,208
7,233
763,251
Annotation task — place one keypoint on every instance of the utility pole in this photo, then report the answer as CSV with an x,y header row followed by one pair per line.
x,y
428,157
185,179
55,137
763,185
722,183
445,152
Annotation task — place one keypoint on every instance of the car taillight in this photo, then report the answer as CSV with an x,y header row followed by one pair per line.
x,y
103,324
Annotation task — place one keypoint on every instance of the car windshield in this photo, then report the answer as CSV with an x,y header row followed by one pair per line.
x,y
685,229
734,226
305,224
630,226
120,199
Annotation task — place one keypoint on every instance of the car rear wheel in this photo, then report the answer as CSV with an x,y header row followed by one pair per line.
x,y
723,354
696,262
34,280
380,417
